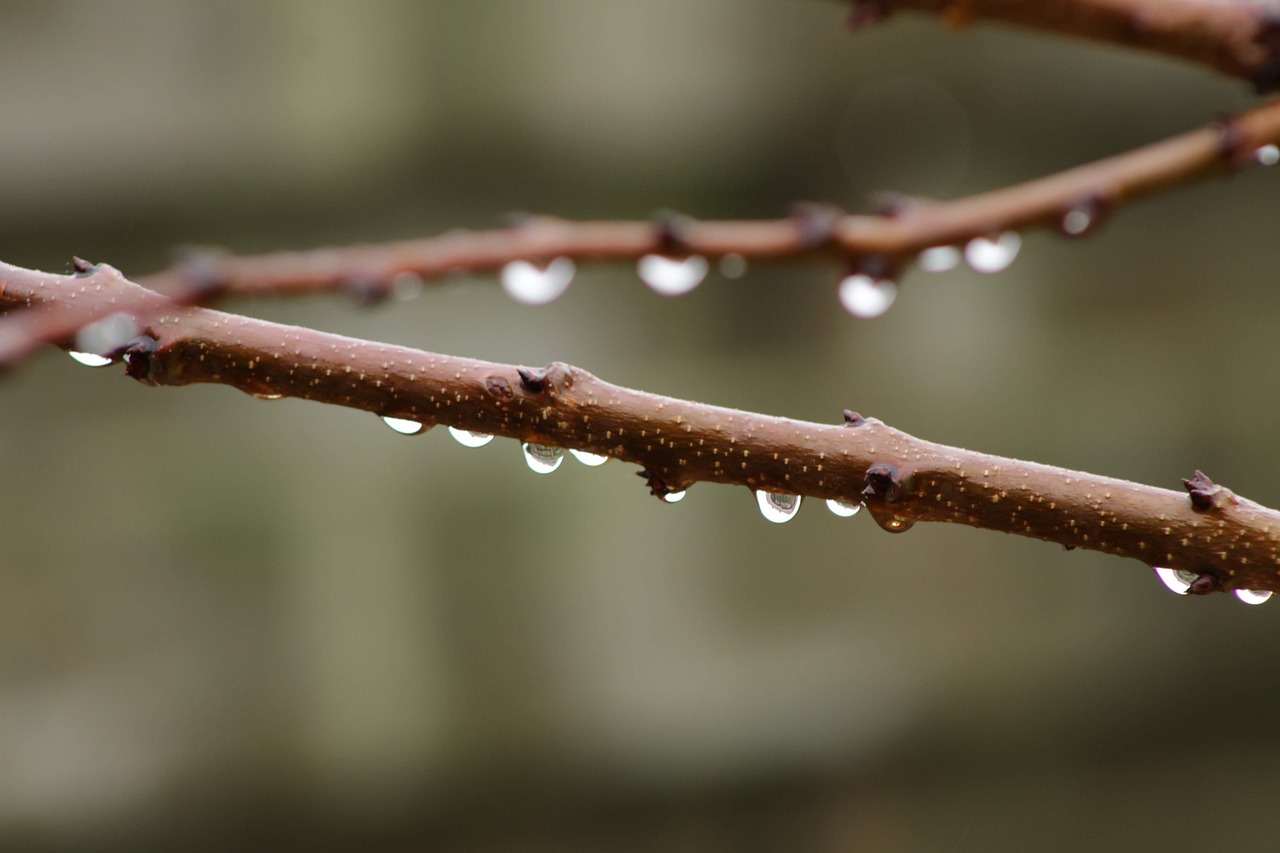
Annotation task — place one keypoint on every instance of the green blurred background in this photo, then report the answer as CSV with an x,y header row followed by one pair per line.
x,y
234,624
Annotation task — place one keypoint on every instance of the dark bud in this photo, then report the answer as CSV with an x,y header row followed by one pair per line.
x,y
657,486
816,221
853,419
534,381
891,204
1204,585
1231,142
366,290
672,231
137,358
866,13
83,268
1068,547
878,267
1205,494
882,482
201,271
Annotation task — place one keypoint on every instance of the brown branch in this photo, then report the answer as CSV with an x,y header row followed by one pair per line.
x,y
884,244
1228,542
1238,39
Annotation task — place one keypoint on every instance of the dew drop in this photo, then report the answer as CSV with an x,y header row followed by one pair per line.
x,y
672,276
844,509
266,397
406,286
1253,596
543,458
1267,155
404,426
591,459
1177,580
898,524
777,507
863,296
470,439
674,497
89,359
1076,221
106,335
992,254
733,265
939,259
525,283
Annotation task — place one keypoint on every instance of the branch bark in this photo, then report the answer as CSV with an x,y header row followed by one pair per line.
x,y
1230,542
1238,39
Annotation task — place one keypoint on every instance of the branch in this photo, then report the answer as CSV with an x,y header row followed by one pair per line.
x,y
1227,542
1238,39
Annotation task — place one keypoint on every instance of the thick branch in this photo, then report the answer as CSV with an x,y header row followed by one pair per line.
x,y
1237,39
1233,542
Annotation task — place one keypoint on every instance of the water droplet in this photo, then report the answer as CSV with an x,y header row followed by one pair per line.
x,y
863,296
406,286
592,459
844,509
898,524
777,507
1267,155
403,426
988,254
470,439
89,359
1177,580
1253,596
267,397
939,259
107,335
674,497
1076,221
543,458
733,265
525,283
672,276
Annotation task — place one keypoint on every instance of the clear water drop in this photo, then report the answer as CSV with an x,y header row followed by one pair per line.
x,y
591,459
674,497
844,509
525,283
107,335
89,359
1253,596
268,397
898,524
992,254
1076,221
1177,580
1267,155
865,297
671,276
939,259
733,265
404,426
406,286
543,458
470,439
777,507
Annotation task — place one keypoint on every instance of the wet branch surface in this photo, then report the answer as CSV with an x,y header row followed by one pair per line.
x,y
1232,543
1239,39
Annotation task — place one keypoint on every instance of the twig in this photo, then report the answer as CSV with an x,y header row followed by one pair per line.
x,y
1238,39
1229,542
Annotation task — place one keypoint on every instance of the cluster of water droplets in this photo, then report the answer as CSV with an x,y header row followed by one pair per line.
x,y
780,507
1181,580
541,458
531,284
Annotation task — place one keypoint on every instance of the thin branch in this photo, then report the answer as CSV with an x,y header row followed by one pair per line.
x,y
1229,542
1238,39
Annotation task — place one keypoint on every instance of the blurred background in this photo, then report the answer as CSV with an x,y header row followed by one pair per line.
x,y
226,623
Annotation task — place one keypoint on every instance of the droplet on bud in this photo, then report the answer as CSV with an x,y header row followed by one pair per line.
x,y
865,297
404,426
1076,221
732,265
939,259
543,458
591,459
1253,596
992,254
674,497
672,276
470,439
89,359
844,509
1177,580
1267,155
107,335
777,507
525,283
